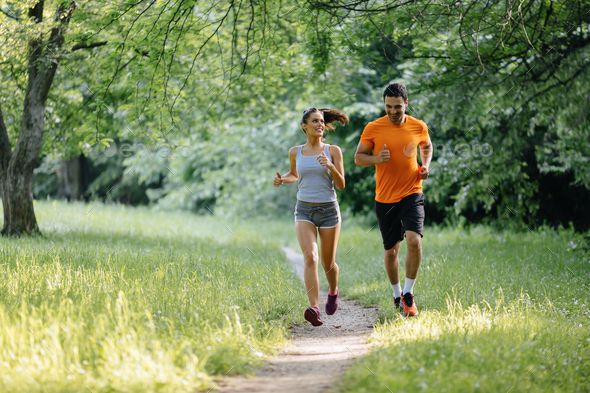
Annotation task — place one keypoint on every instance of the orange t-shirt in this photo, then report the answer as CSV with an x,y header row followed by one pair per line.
x,y
399,177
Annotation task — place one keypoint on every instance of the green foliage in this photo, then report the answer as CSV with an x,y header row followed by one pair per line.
x,y
502,86
319,39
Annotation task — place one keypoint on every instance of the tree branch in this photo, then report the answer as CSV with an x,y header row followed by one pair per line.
x,y
43,61
563,83
16,18
360,6
194,61
120,56
119,17
88,46
54,46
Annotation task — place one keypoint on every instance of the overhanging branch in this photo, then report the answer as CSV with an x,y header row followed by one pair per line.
x,y
88,46
563,83
8,14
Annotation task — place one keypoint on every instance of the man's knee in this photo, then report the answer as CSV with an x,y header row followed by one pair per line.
x,y
392,252
414,240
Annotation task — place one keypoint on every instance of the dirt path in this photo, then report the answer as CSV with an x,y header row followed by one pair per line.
x,y
316,357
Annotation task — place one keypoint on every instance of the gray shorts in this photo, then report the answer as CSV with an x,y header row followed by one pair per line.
x,y
322,214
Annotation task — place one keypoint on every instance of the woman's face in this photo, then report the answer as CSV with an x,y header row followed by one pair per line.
x,y
314,126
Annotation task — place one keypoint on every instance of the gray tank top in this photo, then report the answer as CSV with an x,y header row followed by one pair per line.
x,y
315,182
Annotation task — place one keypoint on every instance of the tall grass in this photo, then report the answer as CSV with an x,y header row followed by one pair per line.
x,y
119,299
499,312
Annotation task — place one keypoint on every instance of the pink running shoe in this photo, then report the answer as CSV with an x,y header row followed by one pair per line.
x,y
332,304
312,315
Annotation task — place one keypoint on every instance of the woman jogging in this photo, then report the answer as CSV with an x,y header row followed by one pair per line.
x,y
317,167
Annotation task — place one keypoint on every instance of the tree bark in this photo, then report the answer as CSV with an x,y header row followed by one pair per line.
x,y
16,167
17,202
72,178
5,154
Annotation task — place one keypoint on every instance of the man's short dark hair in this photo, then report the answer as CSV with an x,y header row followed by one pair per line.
x,y
396,90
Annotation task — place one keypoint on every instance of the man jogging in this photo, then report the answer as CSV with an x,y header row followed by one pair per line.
x,y
390,143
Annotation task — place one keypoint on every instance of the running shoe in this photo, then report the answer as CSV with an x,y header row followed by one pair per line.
x,y
409,305
397,302
312,315
332,304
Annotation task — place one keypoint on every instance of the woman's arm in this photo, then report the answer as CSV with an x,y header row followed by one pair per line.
x,y
291,176
336,167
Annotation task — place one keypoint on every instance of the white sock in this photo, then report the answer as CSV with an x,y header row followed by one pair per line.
x,y
409,285
397,290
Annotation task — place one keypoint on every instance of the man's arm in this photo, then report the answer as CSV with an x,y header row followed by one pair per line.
x,y
426,150
362,157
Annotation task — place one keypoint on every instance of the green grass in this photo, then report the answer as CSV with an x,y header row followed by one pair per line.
x,y
502,312
113,299
118,299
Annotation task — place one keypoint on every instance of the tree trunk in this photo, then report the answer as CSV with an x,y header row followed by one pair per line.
x,y
17,202
5,154
16,167
72,178
17,196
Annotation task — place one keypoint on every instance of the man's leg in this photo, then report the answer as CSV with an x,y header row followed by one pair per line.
x,y
392,235
414,256
391,260
413,222
413,260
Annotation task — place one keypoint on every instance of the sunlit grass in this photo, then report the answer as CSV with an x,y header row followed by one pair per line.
x,y
465,349
118,220
501,312
119,299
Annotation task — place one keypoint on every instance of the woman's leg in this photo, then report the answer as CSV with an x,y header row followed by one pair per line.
x,y
329,244
307,236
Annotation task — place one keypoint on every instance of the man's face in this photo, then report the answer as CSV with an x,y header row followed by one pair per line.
x,y
395,107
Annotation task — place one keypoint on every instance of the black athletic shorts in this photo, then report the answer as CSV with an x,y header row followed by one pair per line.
x,y
397,218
